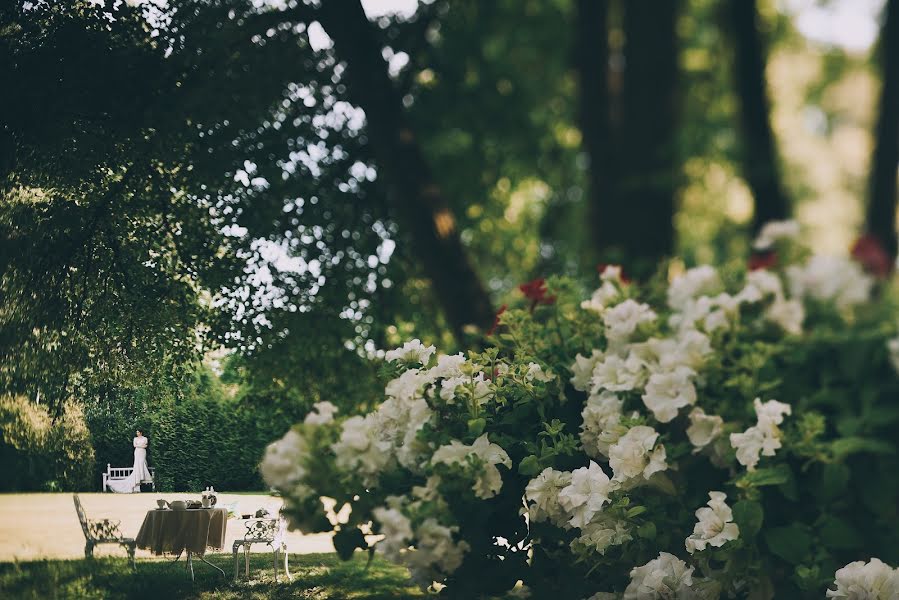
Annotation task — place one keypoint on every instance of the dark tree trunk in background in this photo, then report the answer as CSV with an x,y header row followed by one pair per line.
x,y
633,157
760,162
592,64
881,214
418,202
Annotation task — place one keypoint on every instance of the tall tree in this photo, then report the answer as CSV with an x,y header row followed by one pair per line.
x,y
419,203
881,214
759,162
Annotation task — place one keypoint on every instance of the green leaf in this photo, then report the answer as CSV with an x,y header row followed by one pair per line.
x,y
853,445
636,511
777,475
748,515
834,481
529,466
347,540
792,543
647,531
476,426
838,533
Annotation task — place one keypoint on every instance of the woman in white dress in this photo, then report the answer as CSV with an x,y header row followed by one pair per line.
x,y
141,472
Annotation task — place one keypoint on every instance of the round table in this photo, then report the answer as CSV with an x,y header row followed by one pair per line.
x,y
169,531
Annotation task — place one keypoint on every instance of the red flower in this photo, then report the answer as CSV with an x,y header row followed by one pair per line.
x,y
870,253
762,259
535,291
501,310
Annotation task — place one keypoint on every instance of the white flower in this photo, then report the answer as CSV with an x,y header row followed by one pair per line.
x,y
773,231
585,495
760,284
582,370
411,352
618,374
321,414
714,525
408,385
362,449
282,467
489,481
448,365
893,349
542,496
536,373
633,456
703,429
598,536
764,437
603,596
836,279
435,552
664,578
667,392
871,580
623,319
695,282
604,295
788,314
481,389
397,530
601,413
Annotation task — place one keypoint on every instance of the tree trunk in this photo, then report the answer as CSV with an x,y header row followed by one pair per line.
x,y
881,213
636,221
759,155
417,199
592,64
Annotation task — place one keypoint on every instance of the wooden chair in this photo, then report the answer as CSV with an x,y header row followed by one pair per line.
x,y
102,531
263,531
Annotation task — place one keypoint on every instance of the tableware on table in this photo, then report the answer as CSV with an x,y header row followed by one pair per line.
x,y
207,502
178,505
161,504
246,516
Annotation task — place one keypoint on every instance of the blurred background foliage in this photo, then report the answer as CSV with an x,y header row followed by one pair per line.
x,y
283,190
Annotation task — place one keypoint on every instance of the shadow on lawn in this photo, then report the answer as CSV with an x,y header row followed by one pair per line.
x,y
315,577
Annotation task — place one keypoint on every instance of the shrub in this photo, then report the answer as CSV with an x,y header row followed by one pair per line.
x,y
39,454
727,434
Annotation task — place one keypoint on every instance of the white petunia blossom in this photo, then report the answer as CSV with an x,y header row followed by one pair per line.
x,y
703,429
617,374
872,580
397,530
695,282
536,373
760,284
448,365
836,279
282,467
764,437
489,481
362,448
601,413
542,496
787,314
411,352
773,231
714,526
582,370
668,392
585,495
435,552
321,414
622,320
664,578
604,296
598,536
633,455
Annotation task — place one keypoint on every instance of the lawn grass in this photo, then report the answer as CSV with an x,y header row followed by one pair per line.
x,y
315,577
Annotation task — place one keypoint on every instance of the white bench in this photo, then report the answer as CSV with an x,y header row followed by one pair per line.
x,y
119,473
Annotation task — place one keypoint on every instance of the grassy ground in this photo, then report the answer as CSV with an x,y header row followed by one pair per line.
x,y
315,577
45,526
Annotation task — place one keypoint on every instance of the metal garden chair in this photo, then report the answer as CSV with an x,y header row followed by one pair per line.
x,y
102,531
263,531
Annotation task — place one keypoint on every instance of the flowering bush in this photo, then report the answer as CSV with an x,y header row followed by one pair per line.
x,y
727,434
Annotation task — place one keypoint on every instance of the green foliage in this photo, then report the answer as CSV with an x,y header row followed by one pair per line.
x,y
40,454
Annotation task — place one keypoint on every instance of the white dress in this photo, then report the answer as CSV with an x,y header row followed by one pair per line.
x,y
140,473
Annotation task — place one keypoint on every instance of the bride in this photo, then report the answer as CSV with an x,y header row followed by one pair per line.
x,y
140,473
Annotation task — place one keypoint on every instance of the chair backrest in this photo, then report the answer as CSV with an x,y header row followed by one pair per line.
x,y
82,517
262,530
